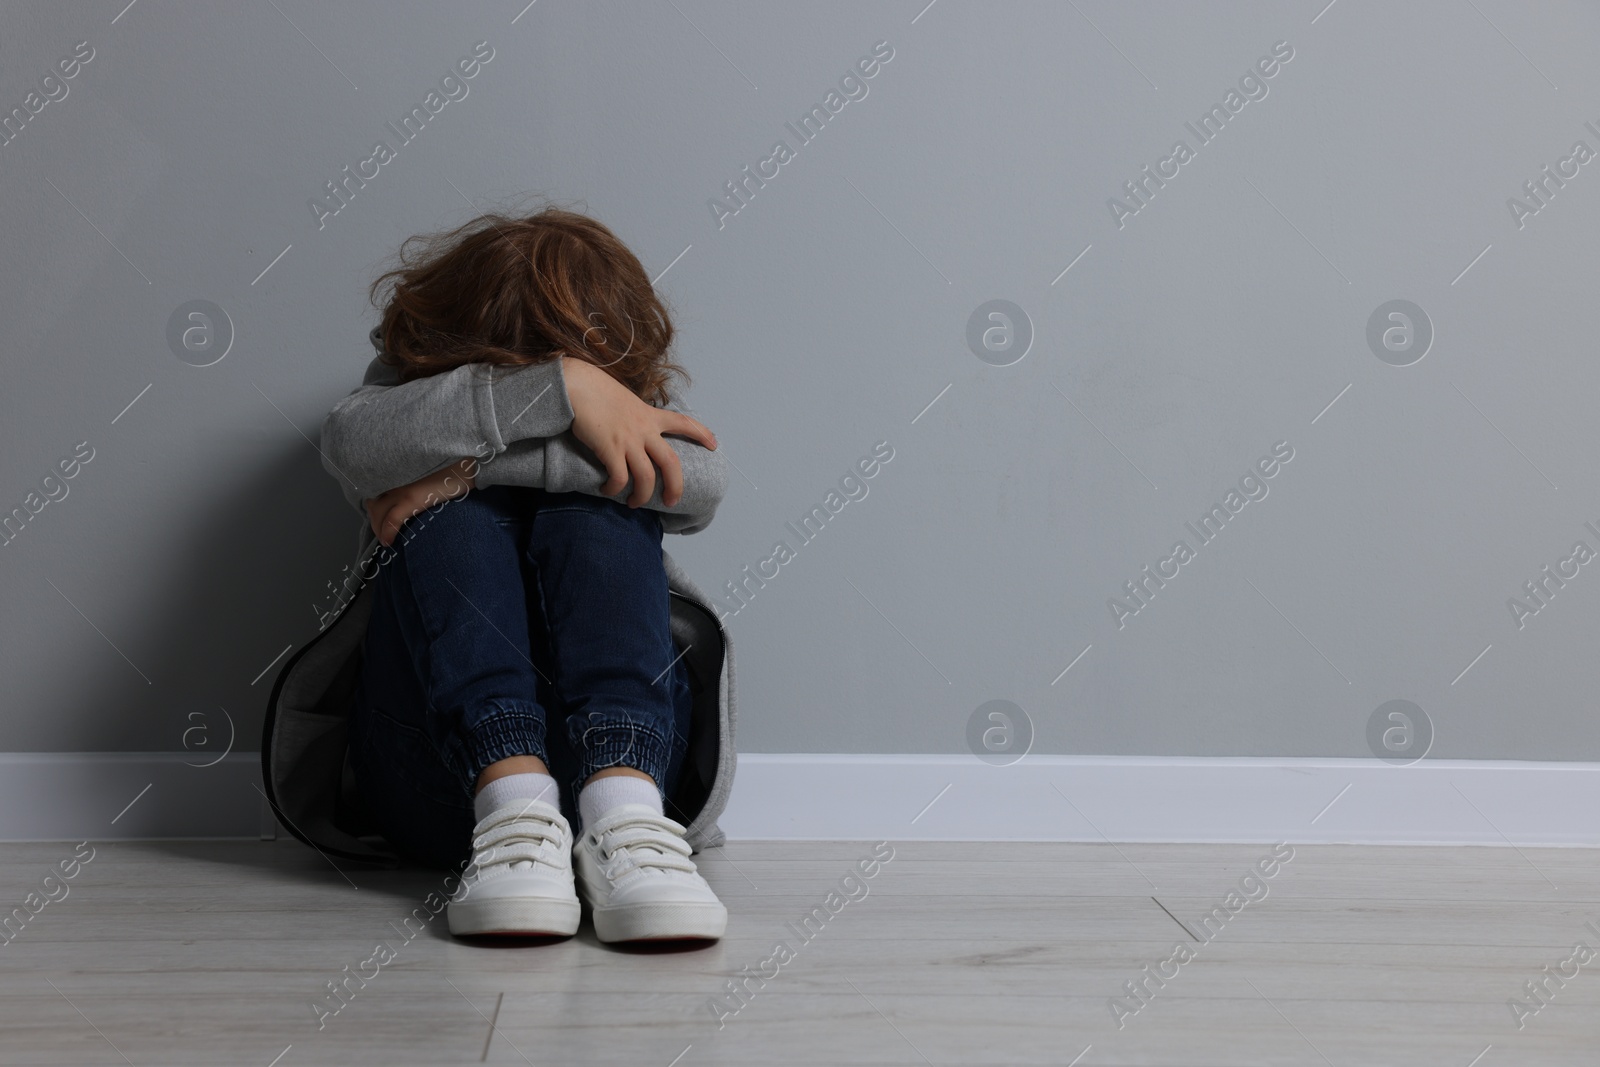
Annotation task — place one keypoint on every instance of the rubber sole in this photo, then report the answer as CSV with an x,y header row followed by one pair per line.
x,y
678,921
528,917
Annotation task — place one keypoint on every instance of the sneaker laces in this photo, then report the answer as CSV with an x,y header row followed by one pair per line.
x,y
648,841
518,837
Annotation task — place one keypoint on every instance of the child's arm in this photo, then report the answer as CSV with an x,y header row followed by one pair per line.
x,y
562,464
386,435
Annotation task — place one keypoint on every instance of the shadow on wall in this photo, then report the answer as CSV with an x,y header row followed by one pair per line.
x,y
238,592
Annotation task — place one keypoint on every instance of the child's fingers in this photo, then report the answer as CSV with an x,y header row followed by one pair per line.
x,y
383,526
644,478
378,516
401,510
616,466
671,470
687,426
395,520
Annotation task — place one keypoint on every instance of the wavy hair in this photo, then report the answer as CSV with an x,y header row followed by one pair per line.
x,y
512,291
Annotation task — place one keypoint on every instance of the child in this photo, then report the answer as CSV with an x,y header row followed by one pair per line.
x,y
528,650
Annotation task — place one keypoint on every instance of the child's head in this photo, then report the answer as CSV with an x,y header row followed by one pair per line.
x,y
516,290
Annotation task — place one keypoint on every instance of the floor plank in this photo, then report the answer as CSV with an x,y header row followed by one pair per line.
x,y
214,952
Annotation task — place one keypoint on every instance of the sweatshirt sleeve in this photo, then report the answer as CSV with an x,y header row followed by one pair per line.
x,y
563,464
387,434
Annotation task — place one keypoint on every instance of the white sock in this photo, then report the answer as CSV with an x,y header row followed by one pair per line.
x,y
603,795
513,787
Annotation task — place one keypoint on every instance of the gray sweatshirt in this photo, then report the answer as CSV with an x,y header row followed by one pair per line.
x,y
517,422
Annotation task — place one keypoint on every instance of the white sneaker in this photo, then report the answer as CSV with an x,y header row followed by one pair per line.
x,y
635,872
520,878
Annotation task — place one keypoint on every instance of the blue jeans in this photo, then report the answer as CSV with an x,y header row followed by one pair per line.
x,y
513,622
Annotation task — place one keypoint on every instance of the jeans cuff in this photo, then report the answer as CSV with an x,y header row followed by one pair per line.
x,y
503,732
620,744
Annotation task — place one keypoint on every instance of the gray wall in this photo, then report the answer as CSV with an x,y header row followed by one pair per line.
x,y
1220,319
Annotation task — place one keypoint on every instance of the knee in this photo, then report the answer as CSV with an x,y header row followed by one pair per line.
x,y
594,525
449,520
580,513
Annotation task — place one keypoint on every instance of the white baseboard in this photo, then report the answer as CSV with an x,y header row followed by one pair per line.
x,y
78,796
1164,799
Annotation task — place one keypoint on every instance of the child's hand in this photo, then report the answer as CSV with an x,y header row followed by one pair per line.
x,y
624,433
389,511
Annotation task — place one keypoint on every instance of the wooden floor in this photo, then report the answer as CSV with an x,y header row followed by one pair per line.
x,y
215,953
